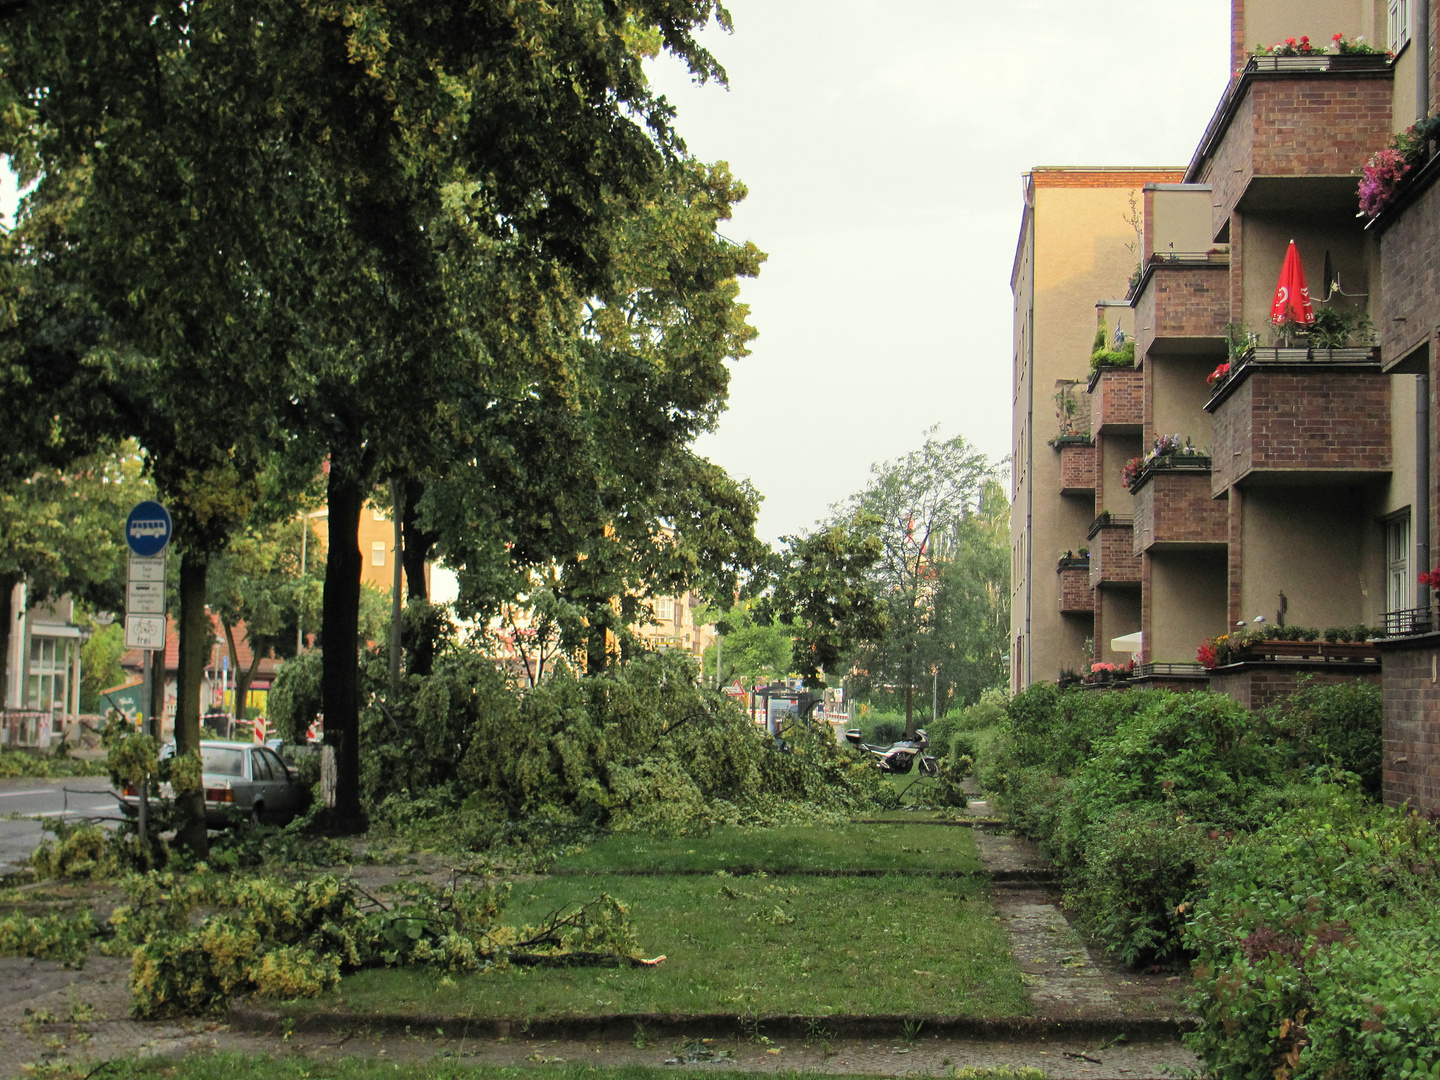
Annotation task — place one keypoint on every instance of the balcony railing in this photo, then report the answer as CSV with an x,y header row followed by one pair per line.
x,y
1184,671
1352,356
1107,520
1408,621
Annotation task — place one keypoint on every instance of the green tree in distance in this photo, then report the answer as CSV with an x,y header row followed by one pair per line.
x,y
749,650
916,507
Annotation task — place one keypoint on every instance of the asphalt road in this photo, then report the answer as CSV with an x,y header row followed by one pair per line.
x,y
26,803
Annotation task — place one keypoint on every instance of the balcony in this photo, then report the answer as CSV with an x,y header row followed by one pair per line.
x,y
1302,416
1174,506
1182,302
1291,131
1076,595
1117,400
1112,556
1077,465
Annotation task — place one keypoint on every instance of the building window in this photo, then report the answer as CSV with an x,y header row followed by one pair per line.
x,y
378,514
1399,27
49,674
1399,596
377,554
664,609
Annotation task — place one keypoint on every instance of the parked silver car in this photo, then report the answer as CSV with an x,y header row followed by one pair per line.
x,y
241,780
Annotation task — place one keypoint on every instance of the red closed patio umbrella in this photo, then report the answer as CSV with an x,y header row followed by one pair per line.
x,y
1292,295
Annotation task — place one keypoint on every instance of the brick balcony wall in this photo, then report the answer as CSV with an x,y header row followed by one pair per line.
x,y
1258,686
1321,125
1176,507
1314,420
1112,557
1412,726
1410,268
1118,399
1076,595
1077,468
1183,301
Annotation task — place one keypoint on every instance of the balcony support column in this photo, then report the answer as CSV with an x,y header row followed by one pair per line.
x,y
1237,532
1422,484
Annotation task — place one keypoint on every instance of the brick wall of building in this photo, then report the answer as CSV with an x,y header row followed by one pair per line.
x,y
1177,508
1183,301
1077,468
1412,725
1410,268
1260,684
1118,399
1318,419
1318,124
1112,557
1076,595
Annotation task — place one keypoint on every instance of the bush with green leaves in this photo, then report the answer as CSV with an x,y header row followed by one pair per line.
x,y
1318,944
1339,726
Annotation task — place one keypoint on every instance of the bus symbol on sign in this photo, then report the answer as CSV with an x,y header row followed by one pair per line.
x,y
147,529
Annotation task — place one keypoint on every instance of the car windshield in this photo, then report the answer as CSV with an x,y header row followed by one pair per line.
x,y
223,760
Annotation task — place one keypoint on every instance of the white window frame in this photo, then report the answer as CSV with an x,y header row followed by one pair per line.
x,y
377,554
1399,581
1398,24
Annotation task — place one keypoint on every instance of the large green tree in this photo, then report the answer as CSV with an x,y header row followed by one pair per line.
x,y
62,531
916,507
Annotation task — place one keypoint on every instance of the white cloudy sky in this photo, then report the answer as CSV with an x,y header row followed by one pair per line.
x,y
883,142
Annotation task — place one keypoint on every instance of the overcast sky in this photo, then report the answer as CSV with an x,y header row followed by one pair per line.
x,y
882,142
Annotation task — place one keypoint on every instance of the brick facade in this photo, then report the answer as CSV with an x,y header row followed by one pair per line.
x,y
1175,506
1259,684
1112,557
1314,123
1280,417
1409,305
1183,300
1077,469
1412,722
1076,595
1117,399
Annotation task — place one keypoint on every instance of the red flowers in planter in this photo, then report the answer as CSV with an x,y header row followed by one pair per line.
x,y
1218,375
1432,578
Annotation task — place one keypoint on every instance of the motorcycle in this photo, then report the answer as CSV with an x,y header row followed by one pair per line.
x,y
899,757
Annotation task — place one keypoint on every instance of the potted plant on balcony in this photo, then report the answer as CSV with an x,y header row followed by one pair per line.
x,y
1385,175
1167,453
1111,352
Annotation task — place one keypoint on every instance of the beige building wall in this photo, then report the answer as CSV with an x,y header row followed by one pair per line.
x,y
1188,587
1311,543
1075,249
1266,239
1267,22
1179,218
1180,397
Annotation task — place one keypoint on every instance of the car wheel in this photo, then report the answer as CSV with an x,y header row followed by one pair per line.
x,y
256,813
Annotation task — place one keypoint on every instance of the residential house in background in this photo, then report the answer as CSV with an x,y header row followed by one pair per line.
x,y
42,667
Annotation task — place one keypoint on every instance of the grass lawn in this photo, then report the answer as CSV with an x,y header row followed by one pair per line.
x,y
813,946
784,850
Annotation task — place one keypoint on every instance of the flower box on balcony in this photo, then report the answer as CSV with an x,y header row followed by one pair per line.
x,y
1305,650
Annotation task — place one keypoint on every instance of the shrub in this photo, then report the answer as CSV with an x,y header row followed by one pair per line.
x,y
1317,944
1337,726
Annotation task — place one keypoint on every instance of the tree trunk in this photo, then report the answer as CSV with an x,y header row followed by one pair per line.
x,y
339,631
243,677
909,696
7,618
195,642
415,551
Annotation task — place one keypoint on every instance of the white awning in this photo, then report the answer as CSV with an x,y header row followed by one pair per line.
x,y
1131,643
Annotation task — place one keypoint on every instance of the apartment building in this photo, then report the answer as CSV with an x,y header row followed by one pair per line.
x,y
1078,244
1307,496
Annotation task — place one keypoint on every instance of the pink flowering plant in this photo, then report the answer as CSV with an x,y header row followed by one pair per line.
x,y
1166,450
1339,45
1383,175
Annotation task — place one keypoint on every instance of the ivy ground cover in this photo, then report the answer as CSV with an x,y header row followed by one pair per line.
x,y
907,944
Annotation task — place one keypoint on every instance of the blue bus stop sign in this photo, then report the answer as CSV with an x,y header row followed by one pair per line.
x,y
147,529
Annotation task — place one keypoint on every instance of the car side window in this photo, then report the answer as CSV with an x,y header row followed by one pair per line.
x,y
259,767
277,767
